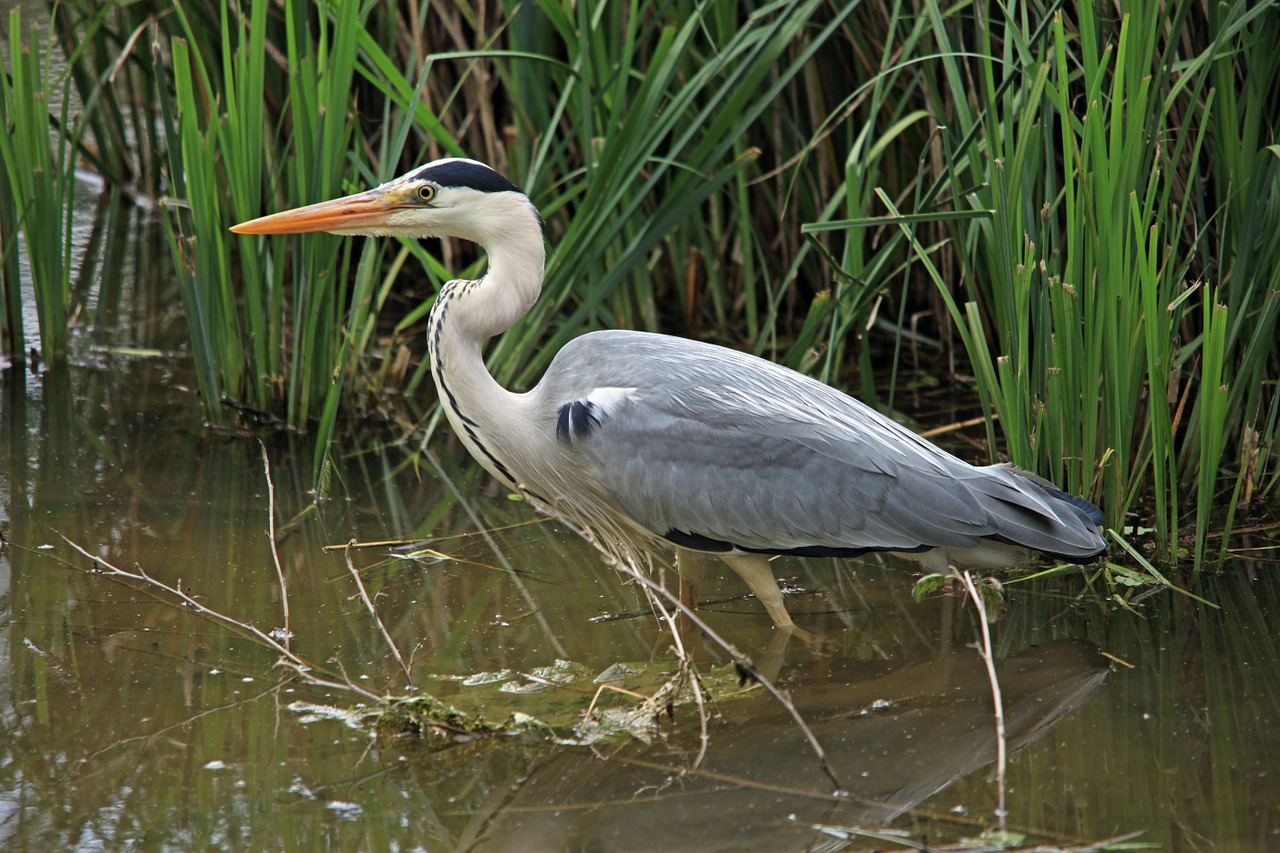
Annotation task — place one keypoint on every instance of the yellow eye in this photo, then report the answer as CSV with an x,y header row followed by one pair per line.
x,y
426,192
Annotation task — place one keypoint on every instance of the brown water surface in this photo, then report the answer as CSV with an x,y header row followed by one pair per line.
x,y
131,723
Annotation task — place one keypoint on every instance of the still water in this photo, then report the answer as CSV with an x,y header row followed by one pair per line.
x,y
131,723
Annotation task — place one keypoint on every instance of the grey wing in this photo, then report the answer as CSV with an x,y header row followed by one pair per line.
x,y
716,450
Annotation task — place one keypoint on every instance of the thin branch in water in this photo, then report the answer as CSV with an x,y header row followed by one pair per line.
x,y
285,633
469,534
744,664
988,658
148,739
368,603
704,736
629,568
586,715
900,844
287,658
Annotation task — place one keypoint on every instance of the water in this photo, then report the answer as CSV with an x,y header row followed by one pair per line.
x,y
129,722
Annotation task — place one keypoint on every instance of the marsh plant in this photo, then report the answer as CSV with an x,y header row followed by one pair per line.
x,y
1070,209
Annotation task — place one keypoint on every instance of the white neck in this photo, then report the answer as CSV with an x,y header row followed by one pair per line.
x,y
510,286
468,313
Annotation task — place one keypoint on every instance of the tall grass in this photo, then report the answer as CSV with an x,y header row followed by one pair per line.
x,y
269,333
1094,313
36,192
680,135
1076,209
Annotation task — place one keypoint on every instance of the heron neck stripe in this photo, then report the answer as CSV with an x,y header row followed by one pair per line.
x,y
435,325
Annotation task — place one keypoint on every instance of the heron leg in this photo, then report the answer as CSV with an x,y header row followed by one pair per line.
x,y
690,565
755,570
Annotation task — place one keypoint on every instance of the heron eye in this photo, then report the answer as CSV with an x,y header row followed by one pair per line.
x,y
426,192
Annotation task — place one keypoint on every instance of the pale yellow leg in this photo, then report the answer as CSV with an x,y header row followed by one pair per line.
x,y
755,570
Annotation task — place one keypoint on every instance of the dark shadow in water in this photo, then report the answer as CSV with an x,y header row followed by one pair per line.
x,y
897,738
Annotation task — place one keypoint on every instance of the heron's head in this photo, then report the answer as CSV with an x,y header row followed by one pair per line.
x,y
445,198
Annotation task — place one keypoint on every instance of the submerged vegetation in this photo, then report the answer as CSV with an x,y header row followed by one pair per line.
x,y
1075,209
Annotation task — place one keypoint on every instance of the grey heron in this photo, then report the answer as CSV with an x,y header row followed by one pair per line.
x,y
652,441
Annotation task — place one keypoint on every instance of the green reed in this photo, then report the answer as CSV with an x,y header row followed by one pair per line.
x,y
1077,212
12,333
1079,247
676,143
36,166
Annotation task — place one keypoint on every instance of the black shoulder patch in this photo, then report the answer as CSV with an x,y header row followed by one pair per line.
x,y
577,419
465,173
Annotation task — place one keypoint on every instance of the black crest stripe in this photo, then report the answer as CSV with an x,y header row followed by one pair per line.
x,y
464,173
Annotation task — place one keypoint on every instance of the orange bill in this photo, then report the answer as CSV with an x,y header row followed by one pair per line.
x,y
364,210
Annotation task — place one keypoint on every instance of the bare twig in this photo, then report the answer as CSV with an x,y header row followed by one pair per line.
x,y
586,715
704,736
988,658
742,661
285,633
287,658
942,430
470,534
628,567
901,843
148,739
386,635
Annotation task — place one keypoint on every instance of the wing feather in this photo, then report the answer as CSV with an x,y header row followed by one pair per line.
x,y
713,443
